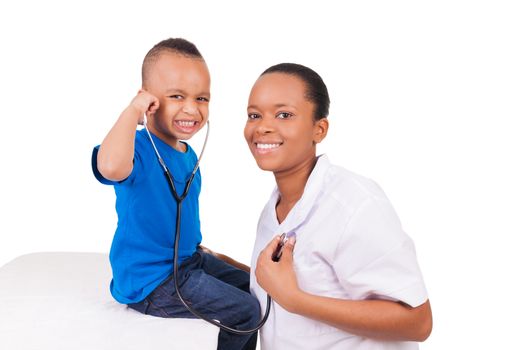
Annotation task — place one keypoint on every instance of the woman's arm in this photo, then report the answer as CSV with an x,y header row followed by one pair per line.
x,y
379,319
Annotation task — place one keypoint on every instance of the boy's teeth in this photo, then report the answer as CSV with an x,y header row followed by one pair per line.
x,y
267,145
186,123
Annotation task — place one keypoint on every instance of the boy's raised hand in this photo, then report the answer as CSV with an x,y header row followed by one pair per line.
x,y
145,103
116,152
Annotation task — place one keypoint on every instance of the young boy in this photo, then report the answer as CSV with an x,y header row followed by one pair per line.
x,y
174,97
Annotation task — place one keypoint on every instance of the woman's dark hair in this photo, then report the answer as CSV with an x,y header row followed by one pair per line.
x,y
316,91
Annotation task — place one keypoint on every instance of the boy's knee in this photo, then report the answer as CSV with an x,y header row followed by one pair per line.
x,y
253,309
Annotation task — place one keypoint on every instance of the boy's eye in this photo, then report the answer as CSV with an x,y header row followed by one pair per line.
x,y
253,116
177,97
283,115
203,99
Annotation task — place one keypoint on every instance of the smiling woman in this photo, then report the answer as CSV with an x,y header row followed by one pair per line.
x,y
348,275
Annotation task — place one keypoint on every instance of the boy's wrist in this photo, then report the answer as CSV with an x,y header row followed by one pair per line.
x,y
135,112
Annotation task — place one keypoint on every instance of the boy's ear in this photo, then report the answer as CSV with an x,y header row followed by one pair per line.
x,y
320,130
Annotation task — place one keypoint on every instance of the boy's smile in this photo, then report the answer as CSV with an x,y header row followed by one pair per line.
x,y
189,127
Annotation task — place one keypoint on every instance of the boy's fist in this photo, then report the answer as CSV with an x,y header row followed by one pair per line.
x,y
145,103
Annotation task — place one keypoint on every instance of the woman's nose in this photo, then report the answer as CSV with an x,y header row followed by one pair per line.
x,y
265,126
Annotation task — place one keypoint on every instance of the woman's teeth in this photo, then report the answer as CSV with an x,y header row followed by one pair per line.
x,y
267,145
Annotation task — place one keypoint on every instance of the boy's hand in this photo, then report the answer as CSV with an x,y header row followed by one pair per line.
x,y
225,258
145,103
208,251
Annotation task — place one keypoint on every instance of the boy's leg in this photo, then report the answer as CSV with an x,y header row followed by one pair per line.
x,y
237,278
225,272
210,296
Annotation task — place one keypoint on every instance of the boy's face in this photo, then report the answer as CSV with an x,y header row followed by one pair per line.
x,y
182,85
280,130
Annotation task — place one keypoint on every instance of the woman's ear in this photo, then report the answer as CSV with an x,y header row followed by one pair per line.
x,y
320,130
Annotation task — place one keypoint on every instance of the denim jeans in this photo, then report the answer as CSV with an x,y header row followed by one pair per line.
x,y
213,288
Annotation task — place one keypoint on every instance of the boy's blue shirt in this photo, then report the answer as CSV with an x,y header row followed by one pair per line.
x,y
142,250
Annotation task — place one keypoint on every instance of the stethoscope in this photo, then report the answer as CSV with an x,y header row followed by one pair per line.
x,y
178,199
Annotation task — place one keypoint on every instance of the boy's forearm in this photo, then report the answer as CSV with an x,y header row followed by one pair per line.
x,y
225,258
233,262
115,156
379,319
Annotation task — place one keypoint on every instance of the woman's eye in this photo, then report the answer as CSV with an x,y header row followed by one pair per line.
x,y
203,99
283,115
253,116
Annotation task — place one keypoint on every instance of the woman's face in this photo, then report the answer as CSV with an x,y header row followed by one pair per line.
x,y
280,130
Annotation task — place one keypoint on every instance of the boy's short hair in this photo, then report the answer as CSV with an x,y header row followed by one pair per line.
x,y
174,45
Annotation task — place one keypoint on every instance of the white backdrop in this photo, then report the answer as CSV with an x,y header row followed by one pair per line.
x,y
427,99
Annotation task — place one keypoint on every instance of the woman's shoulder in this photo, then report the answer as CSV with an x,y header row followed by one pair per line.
x,y
351,188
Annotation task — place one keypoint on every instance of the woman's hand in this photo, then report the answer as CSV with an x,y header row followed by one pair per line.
x,y
278,279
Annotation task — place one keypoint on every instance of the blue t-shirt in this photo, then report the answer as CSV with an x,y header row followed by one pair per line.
x,y
142,250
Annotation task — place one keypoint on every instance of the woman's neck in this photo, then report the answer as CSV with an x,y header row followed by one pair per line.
x,y
291,186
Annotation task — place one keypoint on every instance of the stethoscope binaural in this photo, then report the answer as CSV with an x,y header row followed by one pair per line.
x,y
178,199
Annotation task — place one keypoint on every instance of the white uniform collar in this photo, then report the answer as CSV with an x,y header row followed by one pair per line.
x,y
300,210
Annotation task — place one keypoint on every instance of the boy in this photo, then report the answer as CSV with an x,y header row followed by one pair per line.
x,y
174,97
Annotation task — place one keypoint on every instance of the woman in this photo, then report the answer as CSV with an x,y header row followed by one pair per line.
x,y
348,277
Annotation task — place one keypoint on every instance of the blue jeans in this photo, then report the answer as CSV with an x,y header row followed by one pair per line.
x,y
215,289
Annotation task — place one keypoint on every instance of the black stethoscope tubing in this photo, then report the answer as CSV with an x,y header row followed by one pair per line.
x,y
178,200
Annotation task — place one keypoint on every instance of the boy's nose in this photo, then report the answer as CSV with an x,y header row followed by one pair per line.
x,y
190,108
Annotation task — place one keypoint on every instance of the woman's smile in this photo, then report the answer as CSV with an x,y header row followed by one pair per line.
x,y
264,148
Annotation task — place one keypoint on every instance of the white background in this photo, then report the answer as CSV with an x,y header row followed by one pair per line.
x,y
427,99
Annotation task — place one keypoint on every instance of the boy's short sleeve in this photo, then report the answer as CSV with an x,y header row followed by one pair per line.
x,y
375,259
94,167
136,165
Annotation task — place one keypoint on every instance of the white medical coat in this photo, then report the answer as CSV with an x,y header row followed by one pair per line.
x,y
350,245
